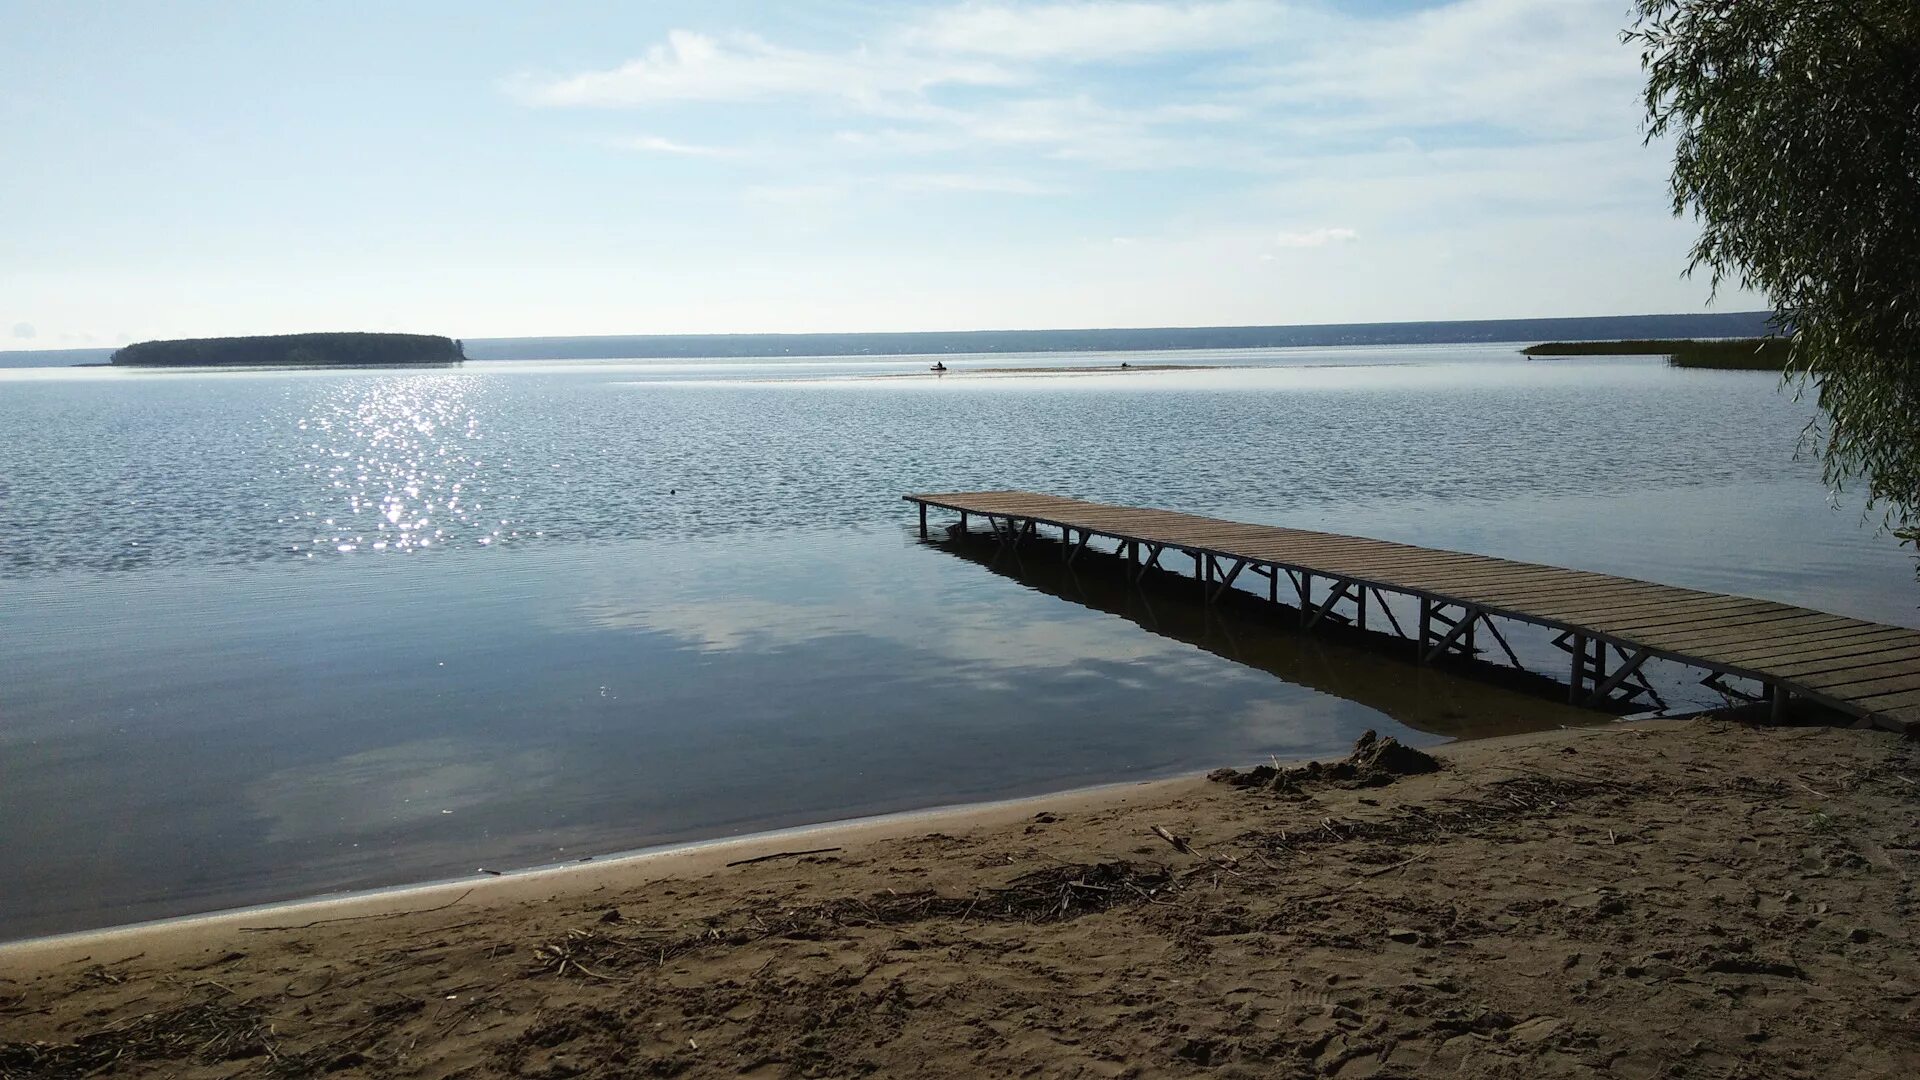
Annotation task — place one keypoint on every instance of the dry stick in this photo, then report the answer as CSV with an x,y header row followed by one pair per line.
x,y
1401,865
1365,877
357,918
1185,847
783,855
1180,843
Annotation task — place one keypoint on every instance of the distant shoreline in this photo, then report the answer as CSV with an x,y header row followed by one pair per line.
x,y
1088,369
1738,354
319,350
876,345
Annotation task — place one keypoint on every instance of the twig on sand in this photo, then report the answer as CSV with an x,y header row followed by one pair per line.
x,y
1364,877
1810,789
1401,865
1180,843
1185,847
783,855
357,918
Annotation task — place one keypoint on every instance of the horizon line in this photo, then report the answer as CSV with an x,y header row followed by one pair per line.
x,y
9,348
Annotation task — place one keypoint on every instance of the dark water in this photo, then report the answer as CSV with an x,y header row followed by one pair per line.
x,y
268,635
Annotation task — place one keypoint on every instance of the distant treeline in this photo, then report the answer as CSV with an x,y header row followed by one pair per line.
x,y
1120,339
294,350
1744,354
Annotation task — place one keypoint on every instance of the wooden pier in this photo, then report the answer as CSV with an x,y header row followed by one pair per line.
x,y
1608,626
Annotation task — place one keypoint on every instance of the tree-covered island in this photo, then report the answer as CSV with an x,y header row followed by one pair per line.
x,y
296,350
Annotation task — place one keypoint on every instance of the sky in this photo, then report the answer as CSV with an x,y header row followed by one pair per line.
x,y
479,168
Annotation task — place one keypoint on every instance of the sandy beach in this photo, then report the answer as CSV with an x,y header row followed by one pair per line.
x,y
1672,898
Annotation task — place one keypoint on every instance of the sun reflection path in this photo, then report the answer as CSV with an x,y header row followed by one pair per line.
x,y
401,464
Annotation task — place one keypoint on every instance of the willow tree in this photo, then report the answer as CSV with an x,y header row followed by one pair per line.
x,y
1796,133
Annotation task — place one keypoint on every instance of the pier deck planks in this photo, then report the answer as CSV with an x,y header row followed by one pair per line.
x,y
1862,668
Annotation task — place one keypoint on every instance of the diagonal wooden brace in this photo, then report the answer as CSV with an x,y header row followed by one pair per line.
x,y
1632,665
1453,635
1338,594
1388,612
1226,580
1152,561
1497,636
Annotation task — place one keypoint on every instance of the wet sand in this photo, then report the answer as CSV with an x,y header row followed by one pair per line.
x,y
1668,898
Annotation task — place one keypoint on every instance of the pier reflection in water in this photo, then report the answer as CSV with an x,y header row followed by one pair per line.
x,y
1485,701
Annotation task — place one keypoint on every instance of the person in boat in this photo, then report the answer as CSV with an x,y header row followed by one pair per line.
x,y
939,367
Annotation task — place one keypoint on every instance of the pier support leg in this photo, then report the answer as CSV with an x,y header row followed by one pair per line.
x,y
1778,699
1226,577
1457,637
1628,667
1579,675
923,521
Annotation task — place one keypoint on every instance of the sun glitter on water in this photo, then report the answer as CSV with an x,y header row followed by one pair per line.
x,y
401,465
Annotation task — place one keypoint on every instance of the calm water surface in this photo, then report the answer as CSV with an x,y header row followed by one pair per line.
x,y
271,634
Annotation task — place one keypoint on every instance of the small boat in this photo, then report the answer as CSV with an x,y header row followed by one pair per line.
x,y
938,367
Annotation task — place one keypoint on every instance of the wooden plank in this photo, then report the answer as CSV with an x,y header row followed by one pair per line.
x,y
1858,672
1405,573
1711,608
1481,575
1879,702
1623,618
1397,574
1788,650
1847,657
1360,555
1683,640
1714,626
1544,590
1467,581
1495,572
1695,616
1885,684
1310,550
1581,599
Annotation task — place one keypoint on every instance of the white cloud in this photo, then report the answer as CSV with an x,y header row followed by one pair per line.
x,y
690,66
1313,238
656,144
24,330
1540,67
976,182
1262,82
1086,31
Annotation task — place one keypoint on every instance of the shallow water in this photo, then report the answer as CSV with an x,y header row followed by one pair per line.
x,y
270,634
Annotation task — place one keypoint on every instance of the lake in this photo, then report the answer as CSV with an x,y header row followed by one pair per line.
x,y
265,635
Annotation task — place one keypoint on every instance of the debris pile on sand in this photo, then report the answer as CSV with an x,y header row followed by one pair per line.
x,y
1375,762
